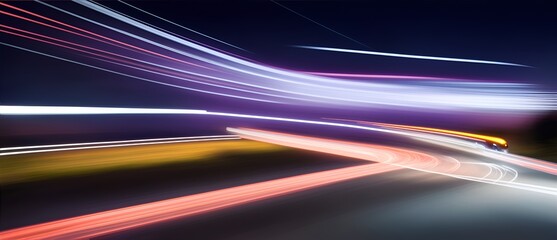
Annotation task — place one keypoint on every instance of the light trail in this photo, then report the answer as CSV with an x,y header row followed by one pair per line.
x,y
230,62
141,68
66,110
190,79
502,170
247,80
321,25
320,89
350,92
55,27
138,78
167,31
59,40
145,68
117,220
96,36
531,163
388,155
415,160
459,134
410,56
182,41
465,146
412,160
376,76
180,26
116,56
53,110
111,144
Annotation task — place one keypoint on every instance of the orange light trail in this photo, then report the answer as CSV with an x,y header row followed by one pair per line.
x,y
371,152
466,135
112,221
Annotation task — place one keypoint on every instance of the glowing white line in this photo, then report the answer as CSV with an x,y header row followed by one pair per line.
x,y
321,25
346,150
47,110
205,83
488,165
517,185
114,145
178,25
209,77
410,56
64,110
96,7
505,157
112,142
512,170
136,77
501,173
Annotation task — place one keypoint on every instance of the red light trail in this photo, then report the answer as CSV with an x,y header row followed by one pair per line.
x,y
112,221
88,32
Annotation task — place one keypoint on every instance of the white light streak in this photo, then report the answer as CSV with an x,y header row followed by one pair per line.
x,y
52,110
115,145
411,56
112,142
178,25
366,152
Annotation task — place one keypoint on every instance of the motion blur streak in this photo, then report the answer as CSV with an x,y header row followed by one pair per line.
x,y
178,25
22,168
132,76
219,73
198,139
48,110
415,160
113,142
321,25
96,36
441,131
370,152
437,140
112,221
411,56
65,110
527,162
377,76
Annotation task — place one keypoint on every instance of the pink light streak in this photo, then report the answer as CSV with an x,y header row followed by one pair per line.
x,y
135,64
112,221
88,32
357,75
437,164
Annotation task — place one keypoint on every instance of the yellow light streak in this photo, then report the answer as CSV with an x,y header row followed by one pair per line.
x,y
40,166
